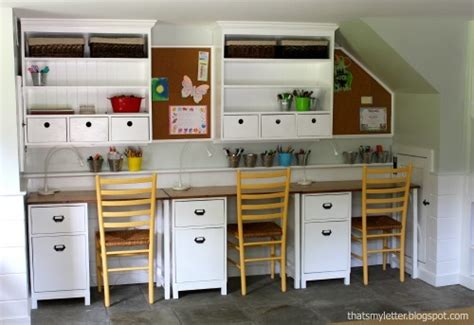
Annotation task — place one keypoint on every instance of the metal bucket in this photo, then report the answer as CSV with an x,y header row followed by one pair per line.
x,y
95,166
250,160
115,165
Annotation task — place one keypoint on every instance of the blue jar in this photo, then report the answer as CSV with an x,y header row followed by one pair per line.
x,y
284,159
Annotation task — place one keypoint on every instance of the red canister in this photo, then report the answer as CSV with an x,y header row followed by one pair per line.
x,y
126,104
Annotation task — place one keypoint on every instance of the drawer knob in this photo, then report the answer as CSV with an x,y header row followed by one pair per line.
x,y
88,124
199,212
313,120
327,205
199,240
46,124
277,121
58,218
129,123
327,232
241,121
59,248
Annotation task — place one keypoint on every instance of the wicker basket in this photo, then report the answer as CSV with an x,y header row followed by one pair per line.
x,y
303,49
250,49
56,47
106,47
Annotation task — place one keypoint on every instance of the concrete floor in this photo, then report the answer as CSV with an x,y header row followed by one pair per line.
x,y
322,302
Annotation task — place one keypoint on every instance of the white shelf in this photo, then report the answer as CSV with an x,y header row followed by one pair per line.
x,y
273,111
84,87
256,86
255,60
36,59
140,114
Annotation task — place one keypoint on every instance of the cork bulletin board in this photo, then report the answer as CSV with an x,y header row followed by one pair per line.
x,y
177,114
347,99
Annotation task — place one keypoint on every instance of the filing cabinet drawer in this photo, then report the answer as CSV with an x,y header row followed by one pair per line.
x,y
88,129
278,126
200,254
59,263
327,206
241,127
326,246
43,130
130,129
57,219
313,125
199,213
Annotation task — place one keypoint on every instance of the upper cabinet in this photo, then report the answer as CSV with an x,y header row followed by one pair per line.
x,y
257,62
71,70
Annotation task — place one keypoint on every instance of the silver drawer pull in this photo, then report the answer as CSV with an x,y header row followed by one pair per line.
x,y
199,240
327,232
199,212
58,218
59,248
327,205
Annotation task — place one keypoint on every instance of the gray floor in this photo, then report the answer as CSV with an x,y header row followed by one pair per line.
x,y
320,303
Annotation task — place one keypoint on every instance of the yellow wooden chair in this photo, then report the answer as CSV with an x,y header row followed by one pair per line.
x,y
126,212
381,196
262,199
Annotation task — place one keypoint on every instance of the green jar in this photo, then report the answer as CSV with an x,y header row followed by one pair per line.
x,y
302,104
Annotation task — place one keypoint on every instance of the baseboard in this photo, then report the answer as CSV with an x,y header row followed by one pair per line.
x,y
440,280
466,281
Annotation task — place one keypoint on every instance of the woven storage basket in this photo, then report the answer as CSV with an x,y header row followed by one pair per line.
x,y
56,47
250,49
125,47
303,49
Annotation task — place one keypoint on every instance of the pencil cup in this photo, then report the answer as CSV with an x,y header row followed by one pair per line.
x,y
95,166
115,165
284,159
250,160
300,159
134,164
39,79
366,158
267,160
234,161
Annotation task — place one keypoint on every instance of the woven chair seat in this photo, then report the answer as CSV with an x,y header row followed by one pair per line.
x,y
377,223
135,237
256,229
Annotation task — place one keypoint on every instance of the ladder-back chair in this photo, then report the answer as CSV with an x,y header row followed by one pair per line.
x,y
262,212
385,195
126,212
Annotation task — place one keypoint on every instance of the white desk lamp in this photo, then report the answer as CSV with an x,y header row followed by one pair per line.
x,y
180,186
46,190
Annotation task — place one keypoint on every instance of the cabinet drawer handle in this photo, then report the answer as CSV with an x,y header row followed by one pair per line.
x,y
327,232
58,218
199,240
129,123
46,124
327,206
88,124
277,121
199,212
313,121
241,121
59,248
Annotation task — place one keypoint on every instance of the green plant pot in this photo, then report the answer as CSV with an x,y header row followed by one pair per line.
x,y
302,104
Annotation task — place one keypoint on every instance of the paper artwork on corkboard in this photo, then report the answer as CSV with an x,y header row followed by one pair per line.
x,y
188,120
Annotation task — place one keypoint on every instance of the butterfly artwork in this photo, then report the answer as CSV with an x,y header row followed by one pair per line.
x,y
196,92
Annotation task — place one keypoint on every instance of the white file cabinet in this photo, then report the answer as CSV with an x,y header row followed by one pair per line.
x,y
59,252
199,245
326,237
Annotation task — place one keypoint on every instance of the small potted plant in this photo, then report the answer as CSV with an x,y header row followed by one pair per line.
x,y
285,100
303,99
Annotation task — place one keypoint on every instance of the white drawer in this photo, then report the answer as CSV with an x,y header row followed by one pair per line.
x,y
88,129
327,206
130,129
326,246
278,126
46,130
241,127
58,219
199,213
59,263
199,254
308,125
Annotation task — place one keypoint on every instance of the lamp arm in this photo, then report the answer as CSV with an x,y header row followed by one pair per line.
x,y
180,172
50,154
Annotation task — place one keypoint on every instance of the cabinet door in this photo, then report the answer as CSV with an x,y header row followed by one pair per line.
x,y
310,125
44,130
59,263
89,129
326,246
199,254
130,129
241,127
278,126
